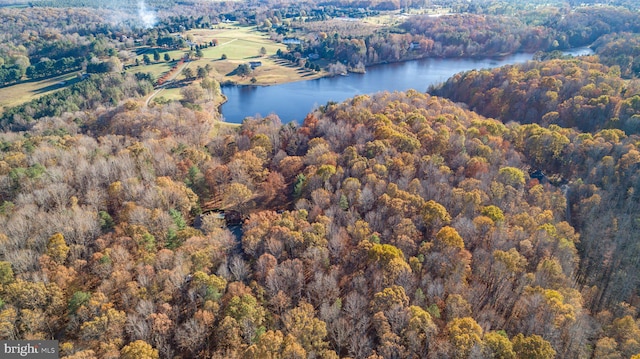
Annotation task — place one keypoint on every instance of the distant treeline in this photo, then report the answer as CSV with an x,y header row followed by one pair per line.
x,y
469,35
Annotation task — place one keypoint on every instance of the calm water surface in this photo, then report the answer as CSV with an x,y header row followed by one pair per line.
x,y
292,101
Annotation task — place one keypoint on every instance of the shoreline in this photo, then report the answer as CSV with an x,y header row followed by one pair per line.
x,y
229,83
289,100
327,75
217,113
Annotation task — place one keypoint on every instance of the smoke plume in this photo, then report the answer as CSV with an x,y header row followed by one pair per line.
x,y
147,17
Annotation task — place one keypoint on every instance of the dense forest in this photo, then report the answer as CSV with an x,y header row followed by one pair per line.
x,y
410,228
579,93
39,43
584,94
622,50
493,217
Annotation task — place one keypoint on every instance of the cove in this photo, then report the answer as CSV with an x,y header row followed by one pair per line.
x,y
292,101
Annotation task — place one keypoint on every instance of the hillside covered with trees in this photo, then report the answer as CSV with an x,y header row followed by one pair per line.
x,y
494,217
407,226
580,93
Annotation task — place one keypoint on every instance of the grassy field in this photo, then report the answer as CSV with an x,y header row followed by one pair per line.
x,y
240,44
155,69
26,91
397,17
386,19
171,94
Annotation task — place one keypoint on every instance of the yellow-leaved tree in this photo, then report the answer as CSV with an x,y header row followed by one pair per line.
x,y
139,350
464,334
57,248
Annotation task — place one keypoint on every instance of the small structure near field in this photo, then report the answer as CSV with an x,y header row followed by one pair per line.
x,y
291,41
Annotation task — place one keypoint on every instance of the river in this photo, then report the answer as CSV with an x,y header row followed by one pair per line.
x,y
292,101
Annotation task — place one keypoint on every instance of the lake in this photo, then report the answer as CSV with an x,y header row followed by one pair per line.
x,y
292,101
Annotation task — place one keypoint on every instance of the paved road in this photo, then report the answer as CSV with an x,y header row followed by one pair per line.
x,y
169,80
228,42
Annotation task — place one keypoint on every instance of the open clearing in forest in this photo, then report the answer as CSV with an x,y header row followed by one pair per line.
x,y
155,69
26,91
389,18
242,44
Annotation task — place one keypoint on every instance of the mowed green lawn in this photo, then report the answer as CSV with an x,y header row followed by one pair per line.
x,y
242,44
157,69
172,94
238,43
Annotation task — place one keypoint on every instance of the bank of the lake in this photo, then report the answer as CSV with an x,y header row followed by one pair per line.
x,y
292,101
